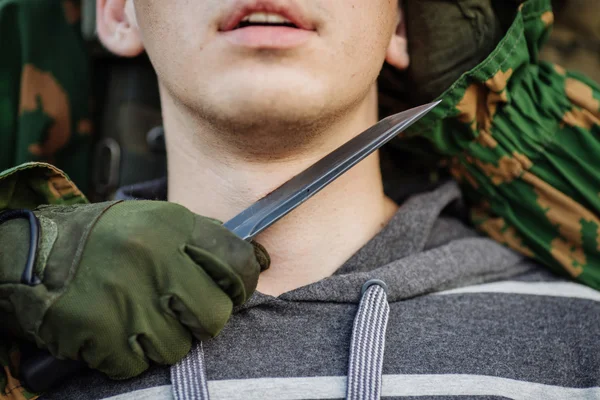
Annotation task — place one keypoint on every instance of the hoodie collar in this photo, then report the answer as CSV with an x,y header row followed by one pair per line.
x,y
406,233
402,256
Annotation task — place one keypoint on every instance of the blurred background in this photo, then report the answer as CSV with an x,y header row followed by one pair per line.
x,y
575,39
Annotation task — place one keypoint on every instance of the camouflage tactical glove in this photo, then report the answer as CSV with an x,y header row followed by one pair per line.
x,y
119,284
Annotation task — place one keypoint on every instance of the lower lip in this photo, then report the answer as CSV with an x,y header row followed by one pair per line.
x,y
268,37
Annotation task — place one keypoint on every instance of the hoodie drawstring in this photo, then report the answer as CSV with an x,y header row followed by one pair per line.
x,y
188,376
367,347
368,343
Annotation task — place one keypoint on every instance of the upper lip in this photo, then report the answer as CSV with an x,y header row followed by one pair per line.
x,y
288,9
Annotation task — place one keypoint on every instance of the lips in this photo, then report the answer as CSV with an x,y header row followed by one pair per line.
x,y
285,9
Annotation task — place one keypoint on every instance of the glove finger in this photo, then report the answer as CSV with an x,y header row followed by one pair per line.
x,y
99,342
120,363
223,255
196,301
262,256
222,274
161,339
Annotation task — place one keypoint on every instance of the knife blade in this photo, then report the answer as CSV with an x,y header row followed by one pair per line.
x,y
274,206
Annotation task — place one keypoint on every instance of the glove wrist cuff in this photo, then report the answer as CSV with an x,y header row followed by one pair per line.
x,y
64,233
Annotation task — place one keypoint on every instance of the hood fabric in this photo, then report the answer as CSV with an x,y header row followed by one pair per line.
x,y
426,308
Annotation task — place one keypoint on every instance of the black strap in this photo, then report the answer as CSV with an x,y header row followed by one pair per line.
x,y
28,277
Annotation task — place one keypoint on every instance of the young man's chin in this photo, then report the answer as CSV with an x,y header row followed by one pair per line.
x,y
264,91
267,110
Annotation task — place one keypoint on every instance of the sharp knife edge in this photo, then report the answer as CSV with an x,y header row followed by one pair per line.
x,y
306,184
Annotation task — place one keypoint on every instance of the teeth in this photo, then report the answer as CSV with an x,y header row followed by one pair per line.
x,y
276,19
264,18
258,18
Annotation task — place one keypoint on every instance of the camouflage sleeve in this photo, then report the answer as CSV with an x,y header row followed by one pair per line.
x,y
27,186
32,184
44,115
523,138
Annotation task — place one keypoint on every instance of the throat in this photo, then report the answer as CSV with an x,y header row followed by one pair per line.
x,y
212,178
314,241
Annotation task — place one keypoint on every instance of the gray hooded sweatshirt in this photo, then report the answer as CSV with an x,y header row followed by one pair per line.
x,y
445,314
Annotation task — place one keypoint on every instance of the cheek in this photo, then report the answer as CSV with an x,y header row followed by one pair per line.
x,y
174,34
178,24
366,27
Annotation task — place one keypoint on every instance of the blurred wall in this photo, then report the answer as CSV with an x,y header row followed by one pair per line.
x,y
575,40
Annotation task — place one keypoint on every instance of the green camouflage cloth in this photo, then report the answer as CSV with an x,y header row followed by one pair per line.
x,y
28,186
32,184
523,138
44,87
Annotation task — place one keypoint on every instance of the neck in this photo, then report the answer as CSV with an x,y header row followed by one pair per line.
x,y
343,216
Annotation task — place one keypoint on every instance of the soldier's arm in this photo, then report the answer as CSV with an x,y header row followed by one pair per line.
x,y
522,137
90,259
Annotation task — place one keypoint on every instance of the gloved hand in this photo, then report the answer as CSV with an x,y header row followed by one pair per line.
x,y
123,283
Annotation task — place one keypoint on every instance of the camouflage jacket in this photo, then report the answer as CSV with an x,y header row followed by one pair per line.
x,y
522,136
28,186
44,116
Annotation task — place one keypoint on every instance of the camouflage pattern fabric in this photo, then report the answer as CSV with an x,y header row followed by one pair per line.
x,y
28,186
523,138
44,116
32,184
44,87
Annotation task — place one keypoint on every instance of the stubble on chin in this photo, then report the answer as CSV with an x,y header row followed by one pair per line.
x,y
260,132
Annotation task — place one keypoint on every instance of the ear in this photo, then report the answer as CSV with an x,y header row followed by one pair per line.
x,y
397,52
117,27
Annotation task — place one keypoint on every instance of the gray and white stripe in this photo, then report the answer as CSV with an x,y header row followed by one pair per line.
x,y
394,386
550,289
368,344
189,376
